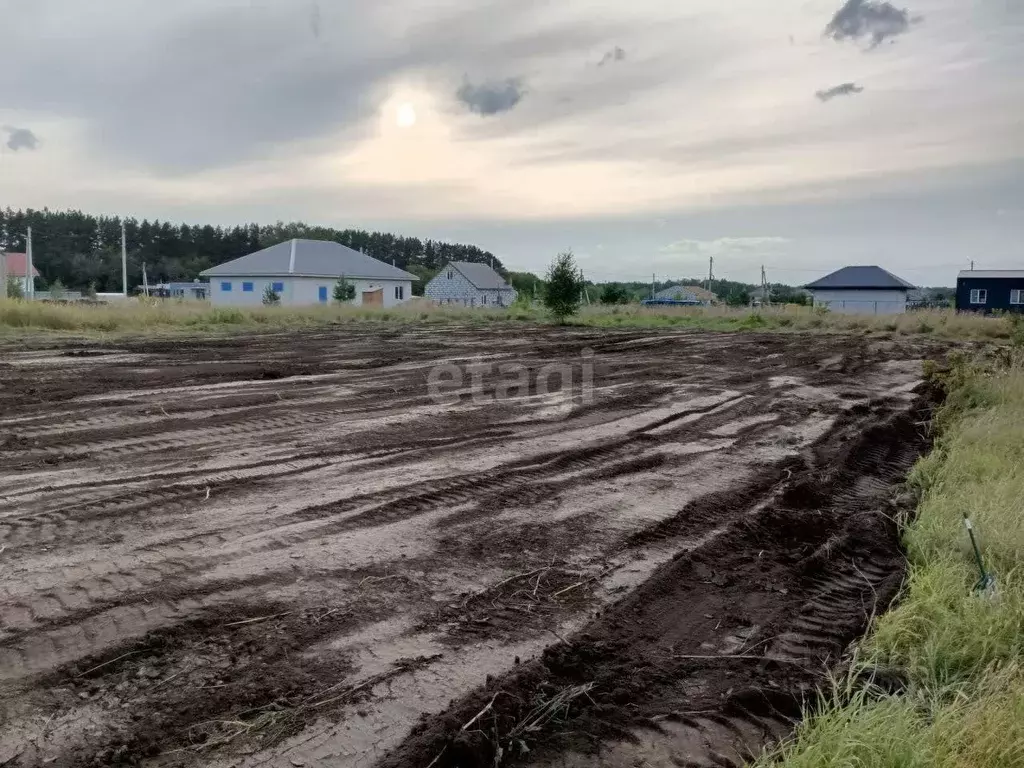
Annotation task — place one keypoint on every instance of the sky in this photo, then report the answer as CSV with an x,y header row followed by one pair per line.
x,y
649,137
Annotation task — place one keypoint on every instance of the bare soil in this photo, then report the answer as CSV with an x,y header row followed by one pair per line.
x,y
279,550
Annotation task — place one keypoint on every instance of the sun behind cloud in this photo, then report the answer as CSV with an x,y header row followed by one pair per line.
x,y
405,116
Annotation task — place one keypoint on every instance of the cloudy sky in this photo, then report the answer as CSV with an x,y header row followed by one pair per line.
x,y
646,135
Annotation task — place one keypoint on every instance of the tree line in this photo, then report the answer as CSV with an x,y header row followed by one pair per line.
x,y
81,250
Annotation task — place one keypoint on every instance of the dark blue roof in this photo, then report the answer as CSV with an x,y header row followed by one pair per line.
x,y
861,277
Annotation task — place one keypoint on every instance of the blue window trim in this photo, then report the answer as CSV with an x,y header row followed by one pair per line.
x,y
225,287
277,287
322,294
246,287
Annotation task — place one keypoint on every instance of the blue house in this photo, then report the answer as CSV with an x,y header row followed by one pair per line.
x,y
985,290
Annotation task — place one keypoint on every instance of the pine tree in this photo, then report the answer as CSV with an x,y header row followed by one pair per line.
x,y
564,287
344,291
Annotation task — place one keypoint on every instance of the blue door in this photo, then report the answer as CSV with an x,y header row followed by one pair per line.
x,y
323,294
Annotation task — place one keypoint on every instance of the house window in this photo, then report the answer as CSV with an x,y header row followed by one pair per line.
x,y
483,299
399,292
322,294
246,287
449,274
277,287
979,296
225,287
1017,297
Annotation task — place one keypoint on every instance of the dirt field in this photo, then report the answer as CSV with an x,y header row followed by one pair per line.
x,y
281,551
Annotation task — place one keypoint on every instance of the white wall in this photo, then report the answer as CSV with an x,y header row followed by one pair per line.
x,y
300,291
862,302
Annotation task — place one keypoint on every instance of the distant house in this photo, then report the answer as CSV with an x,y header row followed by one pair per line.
x,y
861,290
14,266
303,272
470,285
689,294
196,291
984,290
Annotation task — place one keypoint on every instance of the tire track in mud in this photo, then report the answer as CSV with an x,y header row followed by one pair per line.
x,y
81,593
779,594
181,561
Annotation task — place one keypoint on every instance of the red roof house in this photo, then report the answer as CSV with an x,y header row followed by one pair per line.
x,y
16,263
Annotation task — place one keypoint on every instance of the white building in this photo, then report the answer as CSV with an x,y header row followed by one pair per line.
x,y
303,272
470,285
862,291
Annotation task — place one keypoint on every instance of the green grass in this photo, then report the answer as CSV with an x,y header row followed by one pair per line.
x,y
962,654
168,317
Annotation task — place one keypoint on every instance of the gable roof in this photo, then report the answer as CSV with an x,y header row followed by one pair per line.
x,y
481,276
698,293
308,258
990,273
861,277
16,264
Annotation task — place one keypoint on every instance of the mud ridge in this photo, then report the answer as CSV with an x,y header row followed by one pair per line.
x,y
739,631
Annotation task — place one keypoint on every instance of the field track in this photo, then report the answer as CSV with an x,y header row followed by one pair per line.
x,y
280,550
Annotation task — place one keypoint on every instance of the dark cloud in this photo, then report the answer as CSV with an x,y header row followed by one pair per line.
x,y
615,54
846,89
204,84
491,98
20,138
874,20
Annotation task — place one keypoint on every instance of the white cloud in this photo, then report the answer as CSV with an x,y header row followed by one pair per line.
x,y
226,111
724,245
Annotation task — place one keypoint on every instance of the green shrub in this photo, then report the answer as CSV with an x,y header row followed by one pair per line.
x,y
564,289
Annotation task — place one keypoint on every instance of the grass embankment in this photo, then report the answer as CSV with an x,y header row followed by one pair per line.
x,y
160,317
962,654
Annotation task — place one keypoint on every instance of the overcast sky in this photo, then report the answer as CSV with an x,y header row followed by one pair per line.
x,y
645,135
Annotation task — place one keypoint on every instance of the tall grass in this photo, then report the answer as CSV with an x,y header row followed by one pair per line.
x,y
140,316
936,323
961,653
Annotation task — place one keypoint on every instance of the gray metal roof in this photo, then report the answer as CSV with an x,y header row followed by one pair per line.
x,y
694,292
481,276
861,277
991,273
308,258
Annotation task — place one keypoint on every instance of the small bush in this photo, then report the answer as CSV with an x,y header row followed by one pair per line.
x,y
753,321
564,289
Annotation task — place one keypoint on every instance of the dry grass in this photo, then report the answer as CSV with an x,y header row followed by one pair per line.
x,y
937,323
161,317
141,316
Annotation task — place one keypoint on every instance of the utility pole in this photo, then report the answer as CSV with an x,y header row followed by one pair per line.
x,y
30,281
711,272
766,298
972,265
145,280
124,261
653,281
